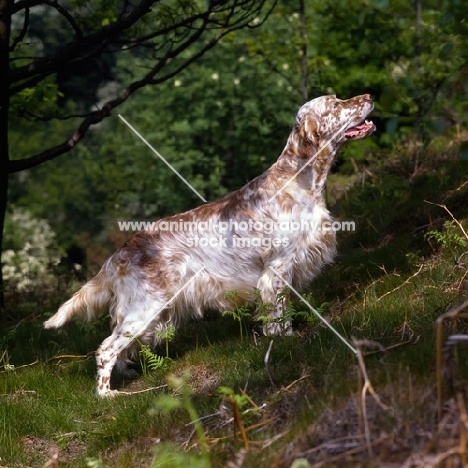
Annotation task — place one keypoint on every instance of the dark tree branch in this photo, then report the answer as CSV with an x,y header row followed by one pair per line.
x,y
31,116
46,66
23,32
23,5
96,43
67,16
99,115
124,9
39,77
160,32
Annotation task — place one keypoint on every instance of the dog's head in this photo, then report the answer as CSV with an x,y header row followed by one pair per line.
x,y
328,120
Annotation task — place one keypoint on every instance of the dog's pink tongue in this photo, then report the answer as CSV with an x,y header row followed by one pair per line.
x,y
358,129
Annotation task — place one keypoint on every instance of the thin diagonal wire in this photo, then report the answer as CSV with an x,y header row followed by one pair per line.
x,y
161,157
163,307
308,162
337,333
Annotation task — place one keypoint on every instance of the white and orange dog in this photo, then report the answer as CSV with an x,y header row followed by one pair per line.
x,y
162,275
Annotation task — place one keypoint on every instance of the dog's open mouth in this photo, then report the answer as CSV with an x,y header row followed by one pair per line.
x,y
360,131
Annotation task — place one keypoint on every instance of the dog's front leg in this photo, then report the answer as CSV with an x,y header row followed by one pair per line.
x,y
271,284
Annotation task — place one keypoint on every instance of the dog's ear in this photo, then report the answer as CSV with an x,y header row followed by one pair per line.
x,y
311,129
308,135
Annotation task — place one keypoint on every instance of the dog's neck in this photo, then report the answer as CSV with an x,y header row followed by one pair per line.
x,y
307,163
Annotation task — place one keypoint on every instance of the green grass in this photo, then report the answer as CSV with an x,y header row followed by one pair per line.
x,y
52,399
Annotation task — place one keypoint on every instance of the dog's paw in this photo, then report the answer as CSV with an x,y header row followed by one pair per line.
x,y
107,393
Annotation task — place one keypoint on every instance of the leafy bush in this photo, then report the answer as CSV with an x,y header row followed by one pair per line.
x,y
29,254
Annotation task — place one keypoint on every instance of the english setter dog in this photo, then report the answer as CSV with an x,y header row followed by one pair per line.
x,y
268,234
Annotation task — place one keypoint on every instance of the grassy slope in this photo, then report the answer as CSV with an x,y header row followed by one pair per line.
x,y
310,410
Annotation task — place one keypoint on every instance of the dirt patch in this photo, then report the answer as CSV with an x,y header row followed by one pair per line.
x,y
43,450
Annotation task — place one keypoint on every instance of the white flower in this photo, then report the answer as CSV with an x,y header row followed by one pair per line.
x,y
285,66
28,266
215,76
236,81
177,83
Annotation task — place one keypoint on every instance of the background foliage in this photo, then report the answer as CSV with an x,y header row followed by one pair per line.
x,y
226,118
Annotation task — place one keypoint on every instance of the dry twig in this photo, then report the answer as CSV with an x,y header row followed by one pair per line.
x,y
70,356
410,341
452,192
19,367
366,387
451,215
136,392
305,376
401,285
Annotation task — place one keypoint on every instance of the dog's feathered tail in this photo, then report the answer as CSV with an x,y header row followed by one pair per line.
x,y
87,304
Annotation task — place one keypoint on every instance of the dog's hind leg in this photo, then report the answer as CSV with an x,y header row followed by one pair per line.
x,y
106,357
137,324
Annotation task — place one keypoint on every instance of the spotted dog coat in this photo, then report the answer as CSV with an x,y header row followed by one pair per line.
x,y
161,276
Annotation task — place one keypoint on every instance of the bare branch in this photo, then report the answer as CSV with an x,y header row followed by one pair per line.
x,y
34,117
160,32
48,65
99,115
23,32
402,284
451,215
266,362
98,49
235,15
23,5
217,16
67,16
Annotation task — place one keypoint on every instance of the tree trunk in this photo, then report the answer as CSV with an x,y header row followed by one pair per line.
x,y
3,205
304,65
5,24
419,98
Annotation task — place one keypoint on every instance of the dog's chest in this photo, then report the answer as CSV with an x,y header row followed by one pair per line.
x,y
310,238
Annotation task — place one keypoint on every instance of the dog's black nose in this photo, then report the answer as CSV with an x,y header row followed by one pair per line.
x,y
367,97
